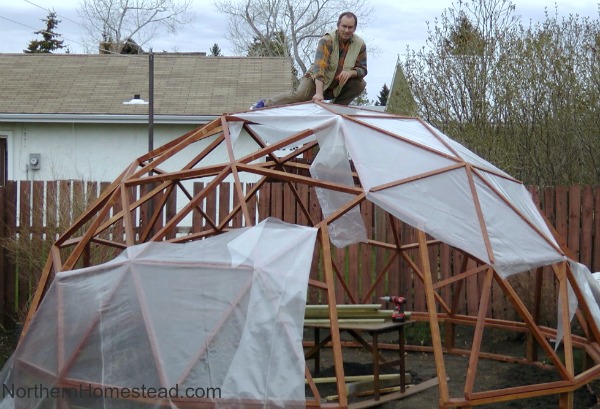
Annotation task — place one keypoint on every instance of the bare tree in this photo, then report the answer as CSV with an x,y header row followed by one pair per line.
x,y
302,22
117,21
525,98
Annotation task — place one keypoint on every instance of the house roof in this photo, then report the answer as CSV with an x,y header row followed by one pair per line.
x,y
94,84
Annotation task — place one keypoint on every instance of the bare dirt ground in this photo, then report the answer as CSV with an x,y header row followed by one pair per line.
x,y
421,366
491,374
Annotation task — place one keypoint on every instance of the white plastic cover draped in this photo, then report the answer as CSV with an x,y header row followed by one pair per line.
x,y
331,164
424,178
420,176
220,318
589,287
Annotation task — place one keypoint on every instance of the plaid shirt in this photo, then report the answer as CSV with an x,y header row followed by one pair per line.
x,y
324,49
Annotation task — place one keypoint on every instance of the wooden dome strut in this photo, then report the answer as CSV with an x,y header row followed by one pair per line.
x,y
145,190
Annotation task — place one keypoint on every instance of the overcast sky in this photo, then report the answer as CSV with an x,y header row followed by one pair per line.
x,y
396,25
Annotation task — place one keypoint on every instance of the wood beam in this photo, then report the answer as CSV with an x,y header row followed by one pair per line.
x,y
338,360
433,319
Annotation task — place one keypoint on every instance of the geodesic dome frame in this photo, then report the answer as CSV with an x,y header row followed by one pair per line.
x,y
409,169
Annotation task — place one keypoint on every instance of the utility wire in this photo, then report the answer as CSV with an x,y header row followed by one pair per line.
x,y
68,39
73,21
35,30
41,31
53,11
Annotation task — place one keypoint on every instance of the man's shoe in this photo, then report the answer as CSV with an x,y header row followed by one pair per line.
x,y
258,104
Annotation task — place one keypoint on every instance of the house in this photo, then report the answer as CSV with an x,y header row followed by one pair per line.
x,y
67,116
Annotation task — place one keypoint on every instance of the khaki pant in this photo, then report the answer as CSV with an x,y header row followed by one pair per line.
x,y
306,90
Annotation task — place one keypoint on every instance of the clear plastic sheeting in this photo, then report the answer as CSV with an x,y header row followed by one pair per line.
x,y
420,175
589,287
216,321
332,165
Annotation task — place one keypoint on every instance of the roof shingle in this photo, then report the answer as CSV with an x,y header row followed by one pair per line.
x,y
184,84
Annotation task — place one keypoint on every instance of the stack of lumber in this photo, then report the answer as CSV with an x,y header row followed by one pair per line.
x,y
347,313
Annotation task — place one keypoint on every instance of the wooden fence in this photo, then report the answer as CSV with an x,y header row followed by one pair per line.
x,y
32,214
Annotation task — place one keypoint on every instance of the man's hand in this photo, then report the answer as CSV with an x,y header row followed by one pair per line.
x,y
345,76
318,97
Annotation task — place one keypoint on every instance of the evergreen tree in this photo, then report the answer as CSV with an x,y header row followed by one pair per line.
x,y
50,40
383,96
274,45
215,51
362,99
400,99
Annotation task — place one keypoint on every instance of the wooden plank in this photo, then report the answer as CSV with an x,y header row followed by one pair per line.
x,y
65,205
37,210
445,271
3,256
128,217
264,202
302,191
37,297
119,226
381,255
436,339
411,390
472,291
574,220
549,208
587,223
562,211
25,229
549,289
288,204
364,260
51,211
458,298
393,275
170,210
446,293
404,269
25,192
252,206
37,235
211,205
353,271
188,207
596,256
197,219
478,336
277,200
459,302
419,291
78,197
316,271
531,347
224,202
380,275
338,262
528,319
236,221
158,205
561,272
77,251
334,327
